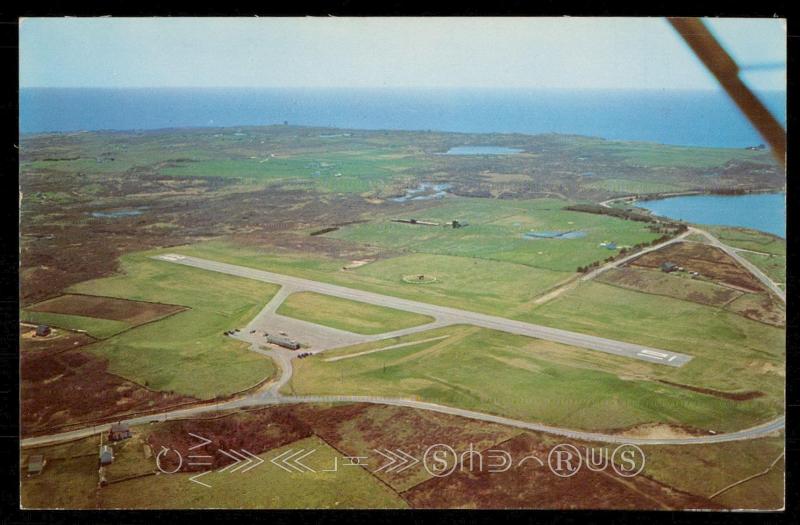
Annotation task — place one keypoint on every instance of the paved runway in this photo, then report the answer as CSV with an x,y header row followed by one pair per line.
x,y
442,314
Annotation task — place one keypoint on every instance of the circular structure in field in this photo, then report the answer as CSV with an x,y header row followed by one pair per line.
x,y
419,278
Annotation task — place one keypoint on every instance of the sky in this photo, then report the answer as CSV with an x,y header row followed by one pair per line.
x,y
585,53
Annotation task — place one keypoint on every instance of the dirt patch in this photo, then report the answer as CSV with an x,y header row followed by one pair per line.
x,y
659,431
133,313
532,485
734,396
73,386
710,262
58,340
254,431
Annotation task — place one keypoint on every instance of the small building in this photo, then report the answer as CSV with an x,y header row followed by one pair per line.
x,y
42,330
106,455
119,431
36,464
668,267
611,246
283,341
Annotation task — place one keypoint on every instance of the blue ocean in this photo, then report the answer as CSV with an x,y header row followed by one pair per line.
x,y
697,118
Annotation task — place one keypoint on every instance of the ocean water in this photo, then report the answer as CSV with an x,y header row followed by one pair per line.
x,y
698,118
759,211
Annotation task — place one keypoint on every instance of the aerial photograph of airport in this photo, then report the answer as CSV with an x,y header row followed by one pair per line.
x,y
402,263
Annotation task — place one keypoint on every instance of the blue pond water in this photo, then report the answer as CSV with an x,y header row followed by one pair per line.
x,y
482,150
425,191
759,211
116,214
555,235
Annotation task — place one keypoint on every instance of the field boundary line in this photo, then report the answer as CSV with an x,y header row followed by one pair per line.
x,y
748,478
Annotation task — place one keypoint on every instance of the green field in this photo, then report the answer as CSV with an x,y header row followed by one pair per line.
x,y
634,186
186,353
353,316
69,479
772,265
496,232
706,469
264,487
524,378
461,282
731,353
749,239
98,328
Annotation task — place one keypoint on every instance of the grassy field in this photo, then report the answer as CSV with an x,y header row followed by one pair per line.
x,y
647,154
634,186
69,479
749,239
186,353
99,328
461,282
264,487
730,353
525,378
772,265
705,469
353,316
496,232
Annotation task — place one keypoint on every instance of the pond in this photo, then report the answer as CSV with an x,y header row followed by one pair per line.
x,y
425,191
760,211
573,234
482,150
116,214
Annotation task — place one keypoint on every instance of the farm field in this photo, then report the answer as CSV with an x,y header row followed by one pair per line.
x,y
496,231
133,313
774,266
353,316
523,378
673,477
97,328
712,263
268,486
706,469
186,353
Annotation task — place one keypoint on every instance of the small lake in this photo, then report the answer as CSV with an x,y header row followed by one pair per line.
x,y
116,214
575,234
482,150
425,191
760,211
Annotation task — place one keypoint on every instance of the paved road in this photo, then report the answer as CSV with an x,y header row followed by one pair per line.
x,y
443,314
272,398
614,264
761,276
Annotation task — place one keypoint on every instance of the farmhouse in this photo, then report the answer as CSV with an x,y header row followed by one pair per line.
x,y
36,464
668,267
119,431
106,455
42,330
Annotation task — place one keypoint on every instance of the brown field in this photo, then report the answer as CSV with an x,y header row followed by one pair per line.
x,y
132,312
256,431
760,307
712,263
660,283
359,429
64,386
532,485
